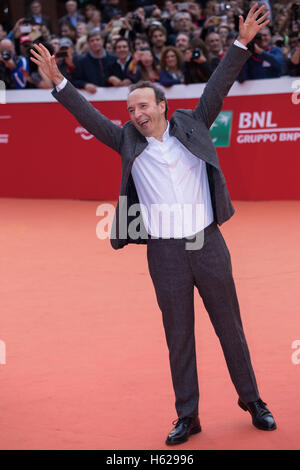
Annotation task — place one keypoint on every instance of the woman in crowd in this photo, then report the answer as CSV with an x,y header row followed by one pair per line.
x,y
171,64
197,68
143,66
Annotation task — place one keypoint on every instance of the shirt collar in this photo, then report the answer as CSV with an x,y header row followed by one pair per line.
x,y
165,135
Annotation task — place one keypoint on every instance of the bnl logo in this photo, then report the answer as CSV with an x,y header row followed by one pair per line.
x,y
2,352
2,93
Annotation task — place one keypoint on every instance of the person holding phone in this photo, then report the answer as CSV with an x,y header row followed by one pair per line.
x,y
7,63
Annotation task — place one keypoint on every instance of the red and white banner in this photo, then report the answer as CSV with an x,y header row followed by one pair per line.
x,y
45,153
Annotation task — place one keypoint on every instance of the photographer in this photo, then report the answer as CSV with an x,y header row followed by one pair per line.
x,y
267,61
67,58
8,64
197,68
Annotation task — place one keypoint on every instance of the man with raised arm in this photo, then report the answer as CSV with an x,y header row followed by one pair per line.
x,y
174,164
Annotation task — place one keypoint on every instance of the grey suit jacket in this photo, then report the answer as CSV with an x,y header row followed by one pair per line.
x,y
190,127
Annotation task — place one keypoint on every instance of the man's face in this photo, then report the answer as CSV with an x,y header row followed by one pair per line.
x,y
214,43
158,38
36,8
265,39
122,50
293,42
71,7
182,42
7,45
184,22
81,29
146,115
66,31
139,43
55,43
96,43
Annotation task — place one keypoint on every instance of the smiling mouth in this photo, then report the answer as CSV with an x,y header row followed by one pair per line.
x,y
143,123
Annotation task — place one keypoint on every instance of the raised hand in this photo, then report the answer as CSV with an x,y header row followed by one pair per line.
x,y
46,62
252,24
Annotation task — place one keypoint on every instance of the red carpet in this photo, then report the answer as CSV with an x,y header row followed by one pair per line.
x,y
86,359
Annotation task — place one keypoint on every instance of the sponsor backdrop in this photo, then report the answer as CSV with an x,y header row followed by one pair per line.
x,y
45,153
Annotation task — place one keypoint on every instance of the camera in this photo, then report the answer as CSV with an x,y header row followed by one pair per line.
x,y
61,54
136,17
6,55
196,53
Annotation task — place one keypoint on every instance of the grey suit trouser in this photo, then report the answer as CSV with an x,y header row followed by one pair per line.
x,y
175,271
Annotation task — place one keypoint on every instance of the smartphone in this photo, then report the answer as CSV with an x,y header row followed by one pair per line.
x,y
183,6
117,23
26,28
217,20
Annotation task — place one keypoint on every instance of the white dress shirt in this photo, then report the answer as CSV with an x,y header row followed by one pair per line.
x,y
173,189
172,186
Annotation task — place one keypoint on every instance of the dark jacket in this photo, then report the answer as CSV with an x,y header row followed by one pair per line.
x,y
67,19
190,127
197,73
116,70
269,64
167,78
91,70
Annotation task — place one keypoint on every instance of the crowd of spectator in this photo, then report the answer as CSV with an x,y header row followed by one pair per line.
x,y
100,45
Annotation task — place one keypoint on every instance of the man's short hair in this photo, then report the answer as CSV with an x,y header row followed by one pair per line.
x,y
95,32
120,40
159,93
156,27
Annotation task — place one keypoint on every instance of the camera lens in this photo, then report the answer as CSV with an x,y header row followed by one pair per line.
x,y
6,55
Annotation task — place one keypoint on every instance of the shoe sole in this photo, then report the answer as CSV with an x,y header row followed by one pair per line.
x,y
262,428
194,430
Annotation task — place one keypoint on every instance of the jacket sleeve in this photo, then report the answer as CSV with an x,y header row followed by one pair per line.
x,y
89,117
275,59
219,84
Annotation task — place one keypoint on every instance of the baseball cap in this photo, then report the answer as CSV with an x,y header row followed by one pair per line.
x,y
25,39
65,42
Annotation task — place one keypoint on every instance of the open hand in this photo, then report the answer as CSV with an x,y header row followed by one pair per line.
x,y
47,63
252,24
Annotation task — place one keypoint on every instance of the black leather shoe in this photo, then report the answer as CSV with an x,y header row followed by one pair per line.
x,y
183,429
262,418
